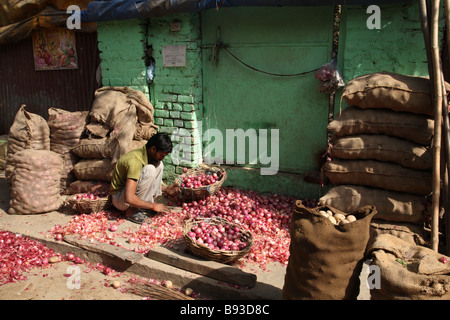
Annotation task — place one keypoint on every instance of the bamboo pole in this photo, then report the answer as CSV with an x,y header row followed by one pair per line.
x,y
447,138
437,124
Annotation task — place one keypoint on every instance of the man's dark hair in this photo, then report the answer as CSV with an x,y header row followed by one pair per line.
x,y
161,141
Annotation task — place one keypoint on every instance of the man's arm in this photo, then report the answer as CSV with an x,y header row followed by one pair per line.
x,y
134,201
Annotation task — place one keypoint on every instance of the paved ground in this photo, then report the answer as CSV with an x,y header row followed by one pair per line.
x,y
96,285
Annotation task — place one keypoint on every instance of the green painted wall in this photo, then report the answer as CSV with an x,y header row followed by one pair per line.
x,y
176,92
121,50
397,47
277,40
183,95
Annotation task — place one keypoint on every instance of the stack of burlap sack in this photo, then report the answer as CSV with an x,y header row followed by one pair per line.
x,y
381,167
66,129
381,152
81,148
33,172
381,155
121,119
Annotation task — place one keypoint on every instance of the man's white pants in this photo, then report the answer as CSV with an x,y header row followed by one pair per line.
x,y
148,186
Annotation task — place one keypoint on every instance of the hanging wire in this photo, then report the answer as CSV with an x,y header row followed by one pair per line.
x,y
219,45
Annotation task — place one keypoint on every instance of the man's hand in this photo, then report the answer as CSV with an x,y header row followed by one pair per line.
x,y
160,207
172,190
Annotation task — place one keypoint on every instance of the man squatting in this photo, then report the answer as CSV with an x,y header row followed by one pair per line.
x,y
137,179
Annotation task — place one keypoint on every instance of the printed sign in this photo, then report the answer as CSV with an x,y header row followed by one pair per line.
x,y
174,56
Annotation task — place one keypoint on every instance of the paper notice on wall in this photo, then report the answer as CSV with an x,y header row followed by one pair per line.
x,y
174,56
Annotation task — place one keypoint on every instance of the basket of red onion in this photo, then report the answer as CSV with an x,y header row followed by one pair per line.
x,y
86,203
199,182
217,239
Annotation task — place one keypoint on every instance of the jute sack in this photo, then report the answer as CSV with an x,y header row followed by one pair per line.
x,y
28,131
390,90
408,232
66,129
383,148
408,271
3,151
100,148
93,149
378,174
355,121
35,182
94,169
391,205
325,260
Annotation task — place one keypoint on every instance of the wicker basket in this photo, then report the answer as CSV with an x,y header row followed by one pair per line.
x,y
203,251
87,206
191,194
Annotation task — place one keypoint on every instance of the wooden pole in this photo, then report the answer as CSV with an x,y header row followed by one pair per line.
x,y
437,124
447,138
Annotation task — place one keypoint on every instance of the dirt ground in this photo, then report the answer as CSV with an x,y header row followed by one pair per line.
x,y
54,283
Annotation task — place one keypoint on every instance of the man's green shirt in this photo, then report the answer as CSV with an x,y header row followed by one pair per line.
x,y
129,166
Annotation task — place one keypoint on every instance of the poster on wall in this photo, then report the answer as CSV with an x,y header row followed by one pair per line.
x,y
54,49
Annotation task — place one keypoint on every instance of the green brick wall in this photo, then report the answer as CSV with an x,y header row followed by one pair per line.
x,y
397,47
121,52
176,92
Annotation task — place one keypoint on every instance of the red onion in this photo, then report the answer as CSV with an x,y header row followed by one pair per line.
x,y
19,254
267,217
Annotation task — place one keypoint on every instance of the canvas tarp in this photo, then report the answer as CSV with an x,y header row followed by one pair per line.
x,y
19,18
130,9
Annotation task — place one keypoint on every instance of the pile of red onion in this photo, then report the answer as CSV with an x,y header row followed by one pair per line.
x,y
88,196
218,236
97,226
19,254
267,217
197,181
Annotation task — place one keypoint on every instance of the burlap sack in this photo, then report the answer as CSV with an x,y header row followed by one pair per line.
x,y
28,131
3,151
93,149
408,271
325,260
378,174
35,182
66,129
390,90
408,232
391,205
383,148
97,129
355,121
100,148
123,110
94,169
